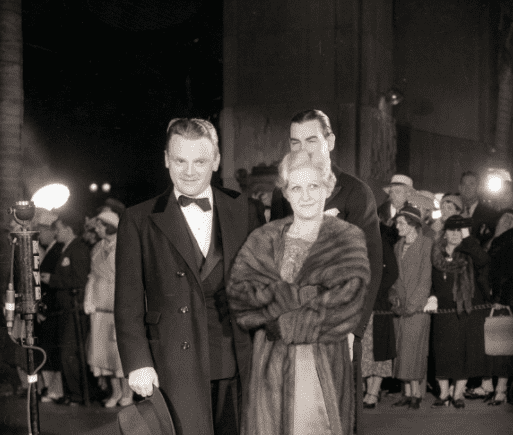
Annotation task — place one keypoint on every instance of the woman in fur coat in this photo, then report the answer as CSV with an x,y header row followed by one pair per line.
x,y
300,283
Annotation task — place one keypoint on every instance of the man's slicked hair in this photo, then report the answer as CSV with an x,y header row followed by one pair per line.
x,y
469,174
192,128
311,115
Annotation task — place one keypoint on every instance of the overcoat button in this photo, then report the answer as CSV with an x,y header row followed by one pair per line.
x,y
185,345
184,310
180,274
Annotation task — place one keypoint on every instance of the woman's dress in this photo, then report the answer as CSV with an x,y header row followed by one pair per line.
x,y
310,415
458,340
103,356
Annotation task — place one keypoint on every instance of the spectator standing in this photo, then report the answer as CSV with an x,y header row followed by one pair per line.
x,y
459,262
501,282
484,218
47,330
70,276
408,296
379,340
398,192
102,354
450,205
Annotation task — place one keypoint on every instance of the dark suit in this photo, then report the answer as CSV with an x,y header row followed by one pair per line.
x,y
71,273
157,258
356,204
484,220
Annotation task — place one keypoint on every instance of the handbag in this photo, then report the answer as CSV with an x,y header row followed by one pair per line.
x,y
498,334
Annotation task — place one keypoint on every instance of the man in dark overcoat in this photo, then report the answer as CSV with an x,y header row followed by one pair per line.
x,y
351,200
173,258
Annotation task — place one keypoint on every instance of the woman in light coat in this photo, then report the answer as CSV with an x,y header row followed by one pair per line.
x,y
409,296
103,355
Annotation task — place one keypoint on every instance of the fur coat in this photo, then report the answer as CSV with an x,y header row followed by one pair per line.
x,y
322,305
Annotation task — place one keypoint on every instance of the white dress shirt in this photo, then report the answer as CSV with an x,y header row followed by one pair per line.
x,y
199,221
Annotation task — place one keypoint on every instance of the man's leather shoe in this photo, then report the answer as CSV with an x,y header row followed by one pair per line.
x,y
415,403
405,401
62,400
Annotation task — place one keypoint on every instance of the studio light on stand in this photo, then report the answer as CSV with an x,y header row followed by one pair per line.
x,y
23,296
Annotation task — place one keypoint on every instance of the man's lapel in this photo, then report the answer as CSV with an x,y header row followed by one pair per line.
x,y
233,222
171,222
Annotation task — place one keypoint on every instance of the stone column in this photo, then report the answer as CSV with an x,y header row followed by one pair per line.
x,y
283,57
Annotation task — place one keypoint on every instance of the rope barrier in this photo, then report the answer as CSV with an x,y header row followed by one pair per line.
x,y
439,311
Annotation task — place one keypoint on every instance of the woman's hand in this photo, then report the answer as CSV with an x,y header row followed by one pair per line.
x,y
500,307
432,305
89,308
397,309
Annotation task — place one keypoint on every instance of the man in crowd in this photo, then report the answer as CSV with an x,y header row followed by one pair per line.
x,y
398,189
173,259
484,218
351,200
68,282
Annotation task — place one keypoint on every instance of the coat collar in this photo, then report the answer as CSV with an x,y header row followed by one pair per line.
x,y
169,218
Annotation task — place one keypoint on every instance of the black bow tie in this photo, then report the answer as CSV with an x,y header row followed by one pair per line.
x,y
202,203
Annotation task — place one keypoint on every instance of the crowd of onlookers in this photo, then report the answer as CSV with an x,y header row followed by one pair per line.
x,y
427,330
441,274
77,269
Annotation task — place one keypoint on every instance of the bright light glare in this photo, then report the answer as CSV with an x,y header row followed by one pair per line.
x,y
93,187
106,187
437,214
51,196
494,183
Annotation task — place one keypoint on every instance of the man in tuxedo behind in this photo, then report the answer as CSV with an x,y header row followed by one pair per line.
x,y
173,258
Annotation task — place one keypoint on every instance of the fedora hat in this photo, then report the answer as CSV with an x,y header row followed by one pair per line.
x,y
147,417
399,180
411,211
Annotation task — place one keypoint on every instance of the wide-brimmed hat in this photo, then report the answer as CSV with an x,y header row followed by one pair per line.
x,y
148,417
410,211
456,222
399,180
455,199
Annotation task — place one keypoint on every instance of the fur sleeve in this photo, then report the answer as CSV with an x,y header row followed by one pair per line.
x,y
326,318
256,293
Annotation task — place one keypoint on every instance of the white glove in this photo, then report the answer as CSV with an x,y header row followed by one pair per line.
x,y
89,308
142,380
350,341
432,304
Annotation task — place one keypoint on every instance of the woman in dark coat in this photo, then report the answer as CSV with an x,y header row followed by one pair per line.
x,y
379,340
500,279
409,296
459,263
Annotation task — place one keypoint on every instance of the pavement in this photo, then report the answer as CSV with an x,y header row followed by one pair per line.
x,y
475,419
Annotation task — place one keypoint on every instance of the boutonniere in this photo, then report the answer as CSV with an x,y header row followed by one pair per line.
x,y
332,212
65,262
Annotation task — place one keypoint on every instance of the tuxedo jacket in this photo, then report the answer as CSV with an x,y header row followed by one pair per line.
x,y
356,204
160,307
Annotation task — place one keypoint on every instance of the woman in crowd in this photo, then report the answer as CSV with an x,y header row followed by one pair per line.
x,y
450,205
378,343
103,356
500,279
301,282
409,296
459,264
